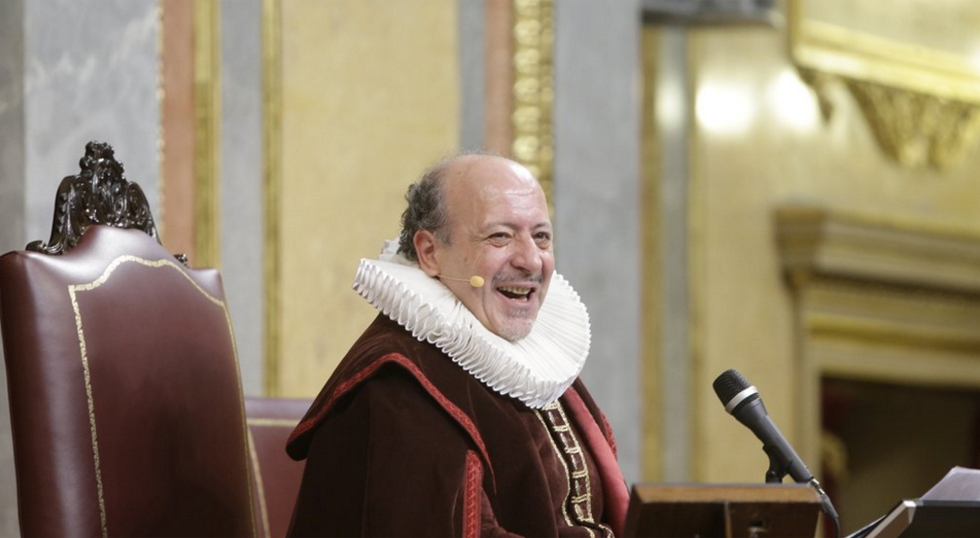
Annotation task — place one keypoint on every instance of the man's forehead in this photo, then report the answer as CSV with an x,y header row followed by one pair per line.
x,y
535,226
487,175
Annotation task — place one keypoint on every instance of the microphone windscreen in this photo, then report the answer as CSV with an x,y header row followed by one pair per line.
x,y
477,281
728,385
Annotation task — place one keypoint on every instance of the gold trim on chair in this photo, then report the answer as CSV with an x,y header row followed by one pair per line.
x,y
259,485
256,466
272,422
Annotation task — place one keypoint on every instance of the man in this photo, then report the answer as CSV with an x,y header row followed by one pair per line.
x,y
459,411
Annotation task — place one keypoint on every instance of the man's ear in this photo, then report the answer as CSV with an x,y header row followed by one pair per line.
x,y
425,248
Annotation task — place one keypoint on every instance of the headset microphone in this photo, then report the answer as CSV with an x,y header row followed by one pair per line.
x,y
476,281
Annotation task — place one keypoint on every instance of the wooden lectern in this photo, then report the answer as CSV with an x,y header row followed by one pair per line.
x,y
722,511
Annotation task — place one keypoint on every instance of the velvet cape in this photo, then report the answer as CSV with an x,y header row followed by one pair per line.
x,y
402,441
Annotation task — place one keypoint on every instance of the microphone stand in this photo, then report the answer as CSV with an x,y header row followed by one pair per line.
x,y
779,468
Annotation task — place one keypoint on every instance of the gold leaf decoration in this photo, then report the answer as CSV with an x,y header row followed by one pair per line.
x,y
914,128
533,90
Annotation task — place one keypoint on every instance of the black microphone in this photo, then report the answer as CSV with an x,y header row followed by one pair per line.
x,y
742,401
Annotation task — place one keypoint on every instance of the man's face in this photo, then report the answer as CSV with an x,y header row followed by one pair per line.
x,y
500,230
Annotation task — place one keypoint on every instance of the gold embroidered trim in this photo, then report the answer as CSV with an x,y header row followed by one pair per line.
x,y
570,452
73,290
568,481
582,498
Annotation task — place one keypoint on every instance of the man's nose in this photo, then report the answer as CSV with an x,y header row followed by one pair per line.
x,y
527,255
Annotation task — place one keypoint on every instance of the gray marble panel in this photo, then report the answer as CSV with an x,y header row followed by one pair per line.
x,y
471,73
91,73
597,188
242,182
11,215
11,126
675,311
70,72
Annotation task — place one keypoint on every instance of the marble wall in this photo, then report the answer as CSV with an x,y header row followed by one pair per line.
x,y
12,184
90,73
596,198
241,189
11,214
70,72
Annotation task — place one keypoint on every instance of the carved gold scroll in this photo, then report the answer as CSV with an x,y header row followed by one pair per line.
x,y
921,101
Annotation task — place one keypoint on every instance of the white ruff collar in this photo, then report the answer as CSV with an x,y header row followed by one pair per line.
x,y
536,370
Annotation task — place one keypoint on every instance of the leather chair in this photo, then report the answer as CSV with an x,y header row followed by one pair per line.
x,y
125,396
275,476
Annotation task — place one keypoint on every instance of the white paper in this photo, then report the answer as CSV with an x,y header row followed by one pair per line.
x,y
959,484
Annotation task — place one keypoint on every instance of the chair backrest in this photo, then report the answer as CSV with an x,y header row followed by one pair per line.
x,y
276,477
125,396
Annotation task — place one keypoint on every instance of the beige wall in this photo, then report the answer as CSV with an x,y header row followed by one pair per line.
x,y
370,97
748,156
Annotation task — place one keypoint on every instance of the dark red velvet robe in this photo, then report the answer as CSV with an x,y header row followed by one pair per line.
x,y
402,441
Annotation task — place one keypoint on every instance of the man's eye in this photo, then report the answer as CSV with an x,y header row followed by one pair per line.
x,y
543,239
498,238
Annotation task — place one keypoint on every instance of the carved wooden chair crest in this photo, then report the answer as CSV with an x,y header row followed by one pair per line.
x,y
98,194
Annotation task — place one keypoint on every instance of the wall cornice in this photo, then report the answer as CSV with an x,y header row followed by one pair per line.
x,y
817,242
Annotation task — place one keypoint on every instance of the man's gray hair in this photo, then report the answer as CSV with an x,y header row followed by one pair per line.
x,y
426,209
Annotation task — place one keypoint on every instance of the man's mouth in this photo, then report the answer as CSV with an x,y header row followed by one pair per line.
x,y
514,292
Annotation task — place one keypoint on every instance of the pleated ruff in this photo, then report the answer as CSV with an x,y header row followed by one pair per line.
x,y
536,370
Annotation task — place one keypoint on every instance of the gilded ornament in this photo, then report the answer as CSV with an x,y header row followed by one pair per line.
x,y
922,104
533,34
917,129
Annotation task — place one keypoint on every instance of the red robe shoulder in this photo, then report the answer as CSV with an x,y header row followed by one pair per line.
x,y
401,440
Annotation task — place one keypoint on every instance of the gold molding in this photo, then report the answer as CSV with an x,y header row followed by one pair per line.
x,y
876,332
651,231
272,187
696,280
891,333
817,242
922,104
533,90
887,300
207,141
917,129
